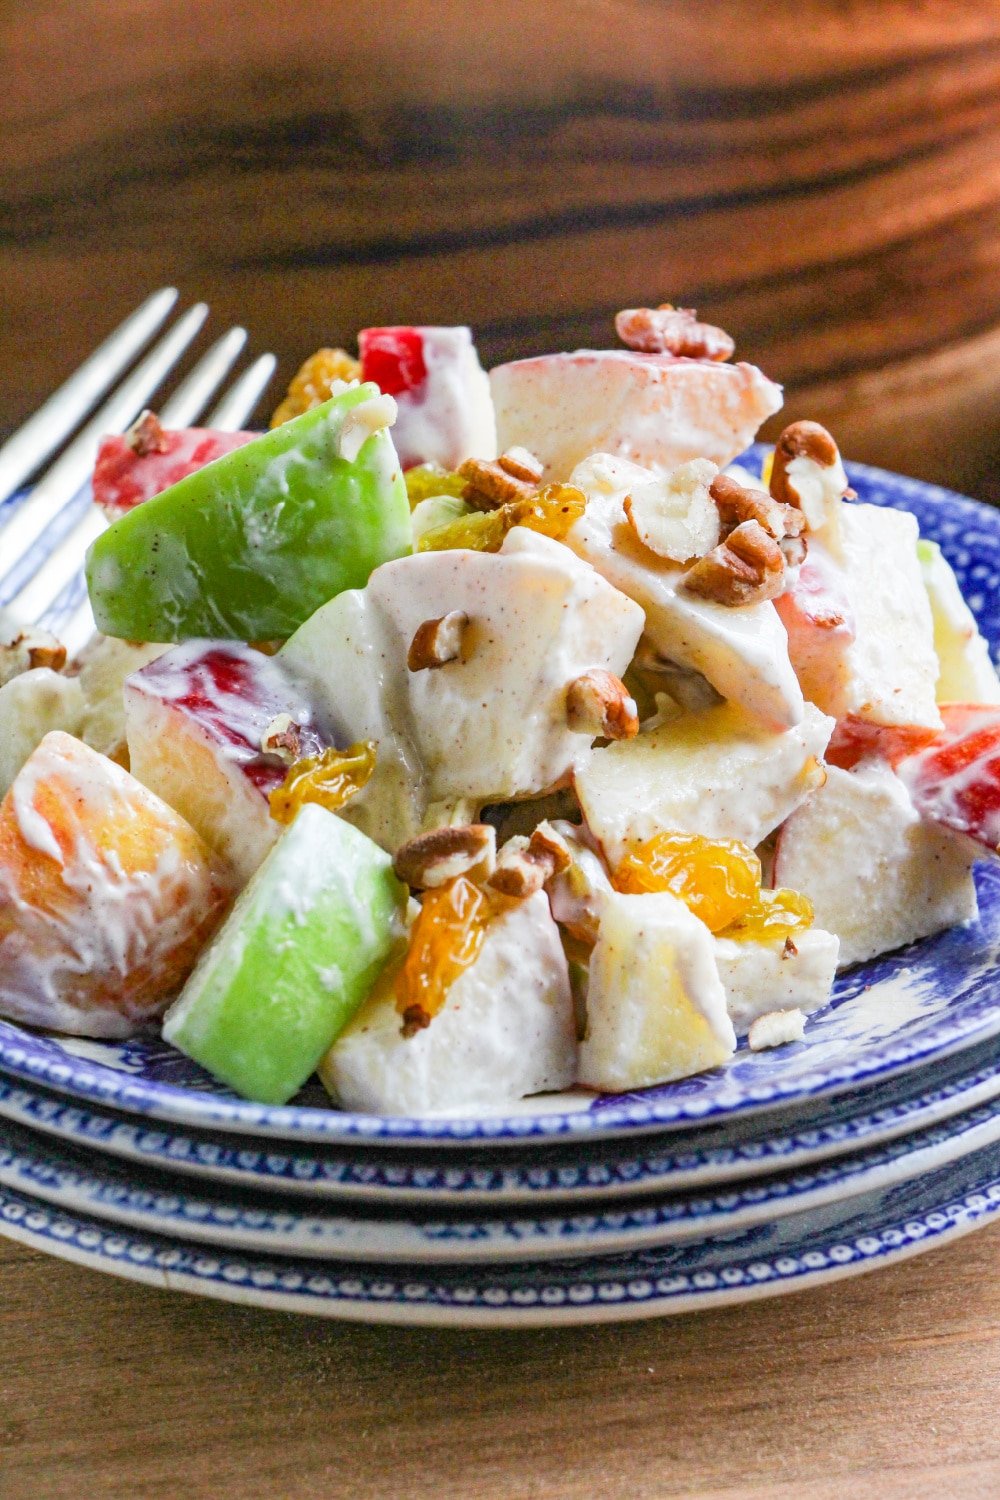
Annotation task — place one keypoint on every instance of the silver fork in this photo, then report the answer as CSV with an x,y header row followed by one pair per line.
x,y
44,536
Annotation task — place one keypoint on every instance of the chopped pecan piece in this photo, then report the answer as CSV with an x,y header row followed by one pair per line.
x,y
548,843
598,703
794,548
281,739
437,642
519,463
490,485
672,330
525,865
737,504
431,859
805,440
676,516
747,567
776,1029
415,1019
820,479
146,435
31,648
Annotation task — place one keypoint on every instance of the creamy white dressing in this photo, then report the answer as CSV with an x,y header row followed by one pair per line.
x,y
946,800
743,652
449,417
374,415
506,1031
74,966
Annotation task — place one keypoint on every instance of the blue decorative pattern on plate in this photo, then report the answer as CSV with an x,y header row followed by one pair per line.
x,y
156,1203
920,1004
794,1138
842,1240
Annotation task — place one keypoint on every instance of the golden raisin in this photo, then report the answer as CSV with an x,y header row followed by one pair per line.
x,y
482,531
428,480
717,879
775,914
445,940
552,512
330,778
313,383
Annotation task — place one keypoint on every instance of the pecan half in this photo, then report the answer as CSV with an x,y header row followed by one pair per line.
x,y
431,859
525,865
281,738
747,567
598,703
519,463
146,435
672,330
490,485
438,642
737,504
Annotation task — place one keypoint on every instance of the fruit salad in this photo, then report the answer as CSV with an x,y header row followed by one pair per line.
x,y
468,736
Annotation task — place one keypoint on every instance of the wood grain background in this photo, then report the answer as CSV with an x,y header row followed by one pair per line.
x,y
881,1388
821,177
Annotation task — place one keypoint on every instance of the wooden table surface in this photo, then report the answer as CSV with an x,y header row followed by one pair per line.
x,y
886,1385
822,179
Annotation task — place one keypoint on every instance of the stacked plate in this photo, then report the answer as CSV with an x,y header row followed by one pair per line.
x,y
877,1137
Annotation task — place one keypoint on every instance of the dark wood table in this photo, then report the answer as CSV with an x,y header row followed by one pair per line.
x,y
822,179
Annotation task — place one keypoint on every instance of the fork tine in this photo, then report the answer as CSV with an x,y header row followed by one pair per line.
x,y
197,389
243,395
63,563
55,420
78,629
70,471
59,567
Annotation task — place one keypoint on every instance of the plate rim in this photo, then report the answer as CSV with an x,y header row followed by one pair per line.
x,y
378,1180
401,1299
32,1165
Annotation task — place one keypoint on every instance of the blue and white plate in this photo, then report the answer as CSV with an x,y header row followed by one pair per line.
x,y
787,1255
893,1014
573,1172
157,1203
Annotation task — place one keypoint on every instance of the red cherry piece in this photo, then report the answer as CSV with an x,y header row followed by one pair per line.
x,y
393,358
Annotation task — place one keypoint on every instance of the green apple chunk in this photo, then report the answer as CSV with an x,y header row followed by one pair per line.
x,y
967,675
297,955
248,547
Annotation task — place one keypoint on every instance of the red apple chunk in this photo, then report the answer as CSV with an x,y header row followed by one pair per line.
x,y
956,779
212,729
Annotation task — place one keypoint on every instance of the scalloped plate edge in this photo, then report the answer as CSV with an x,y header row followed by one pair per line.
x,y
621,1303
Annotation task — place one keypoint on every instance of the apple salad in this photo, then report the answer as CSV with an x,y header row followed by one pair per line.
x,y
466,736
